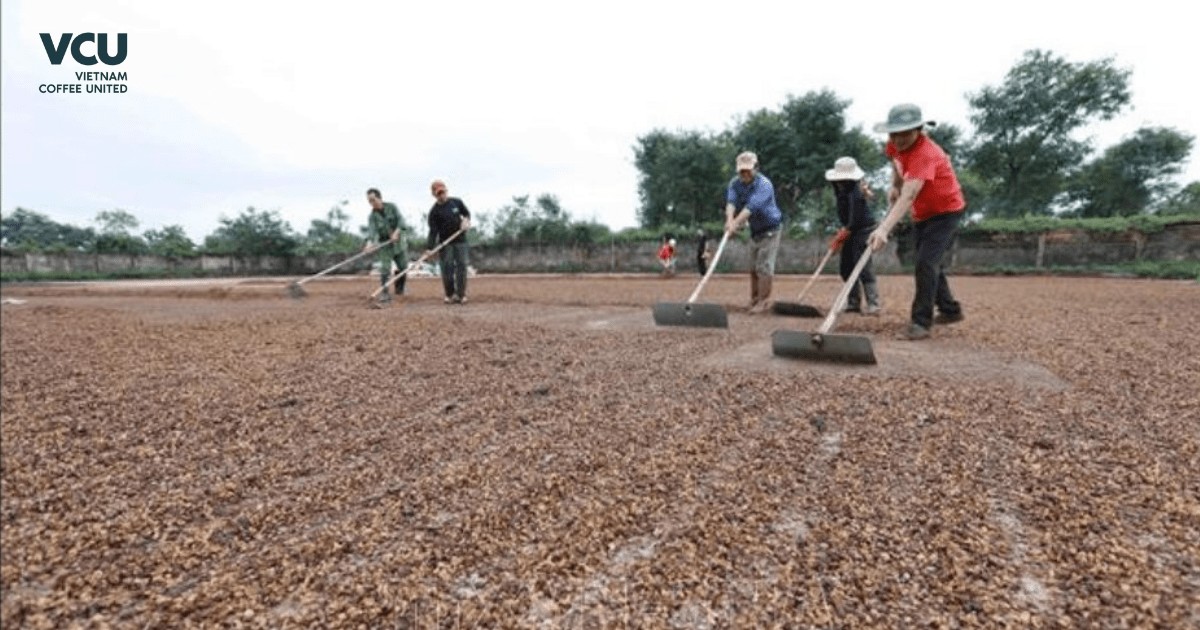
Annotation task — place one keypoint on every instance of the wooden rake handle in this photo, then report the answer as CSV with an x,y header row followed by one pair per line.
x,y
844,294
349,260
712,266
413,265
811,280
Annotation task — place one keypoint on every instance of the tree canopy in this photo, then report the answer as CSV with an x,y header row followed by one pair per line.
x,y
27,229
253,233
684,174
331,234
1024,144
1023,155
170,241
116,234
1132,176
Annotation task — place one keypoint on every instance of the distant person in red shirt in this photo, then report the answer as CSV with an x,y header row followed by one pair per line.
x,y
923,182
666,257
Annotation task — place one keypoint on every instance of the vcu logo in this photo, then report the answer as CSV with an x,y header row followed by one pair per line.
x,y
56,52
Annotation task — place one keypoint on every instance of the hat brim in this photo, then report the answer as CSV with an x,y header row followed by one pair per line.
x,y
886,128
834,175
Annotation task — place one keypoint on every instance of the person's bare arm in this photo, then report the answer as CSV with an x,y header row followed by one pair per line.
x,y
897,184
905,195
734,220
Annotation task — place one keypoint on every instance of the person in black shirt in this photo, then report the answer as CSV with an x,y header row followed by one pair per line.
x,y
854,213
447,215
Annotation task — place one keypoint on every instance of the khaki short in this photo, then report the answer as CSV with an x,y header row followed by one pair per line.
x,y
763,250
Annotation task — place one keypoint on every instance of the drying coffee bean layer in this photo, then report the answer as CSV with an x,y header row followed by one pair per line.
x,y
192,455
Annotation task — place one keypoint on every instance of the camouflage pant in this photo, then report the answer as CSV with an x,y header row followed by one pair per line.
x,y
393,253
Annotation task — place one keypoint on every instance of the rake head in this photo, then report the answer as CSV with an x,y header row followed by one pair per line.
x,y
823,347
795,309
697,314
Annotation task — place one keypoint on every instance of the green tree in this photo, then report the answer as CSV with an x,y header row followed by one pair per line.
x,y
1024,147
253,233
953,141
1133,176
511,218
116,222
27,229
116,233
544,221
171,241
682,176
1186,201
331,234
551,220
797,144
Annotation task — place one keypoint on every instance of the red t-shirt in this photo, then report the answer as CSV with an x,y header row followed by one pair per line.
x,y
925,160
666,252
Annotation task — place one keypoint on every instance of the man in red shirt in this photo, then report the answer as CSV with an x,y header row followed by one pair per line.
x,y
923,182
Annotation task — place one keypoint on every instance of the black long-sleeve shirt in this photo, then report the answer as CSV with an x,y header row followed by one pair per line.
x,y
853,210
445,219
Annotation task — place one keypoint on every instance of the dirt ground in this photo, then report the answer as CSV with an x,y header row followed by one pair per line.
x,y
187,454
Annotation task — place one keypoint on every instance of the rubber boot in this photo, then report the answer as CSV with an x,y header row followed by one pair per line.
x,y
872,291
753,290
384,296
854,300
764,295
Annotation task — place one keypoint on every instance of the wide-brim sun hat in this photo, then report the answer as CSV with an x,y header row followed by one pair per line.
x,y
845,168
903,117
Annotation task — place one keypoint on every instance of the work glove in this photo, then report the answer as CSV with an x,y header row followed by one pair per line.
x,y
839,239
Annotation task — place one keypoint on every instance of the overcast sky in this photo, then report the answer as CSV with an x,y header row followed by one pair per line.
x,y
294,106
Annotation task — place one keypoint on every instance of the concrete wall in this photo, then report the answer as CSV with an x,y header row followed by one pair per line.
x,y
794,256
73,262
1058,248
1065,248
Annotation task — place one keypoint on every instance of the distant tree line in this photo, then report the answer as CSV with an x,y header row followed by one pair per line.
x,y
1022,157
251,233
256,232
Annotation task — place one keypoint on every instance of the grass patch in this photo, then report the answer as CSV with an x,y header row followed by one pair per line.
x,y
1145,223
1161,269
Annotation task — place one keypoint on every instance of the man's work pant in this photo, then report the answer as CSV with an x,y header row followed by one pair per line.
x,y
933,239
454,260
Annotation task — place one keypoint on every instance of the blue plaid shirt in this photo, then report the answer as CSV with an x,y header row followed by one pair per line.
x,y
759,198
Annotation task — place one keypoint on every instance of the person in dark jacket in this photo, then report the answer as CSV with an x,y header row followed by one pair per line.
x,y
446,217
854,213
702,253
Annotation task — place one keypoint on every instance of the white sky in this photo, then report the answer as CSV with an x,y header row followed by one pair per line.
x,y
293,106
